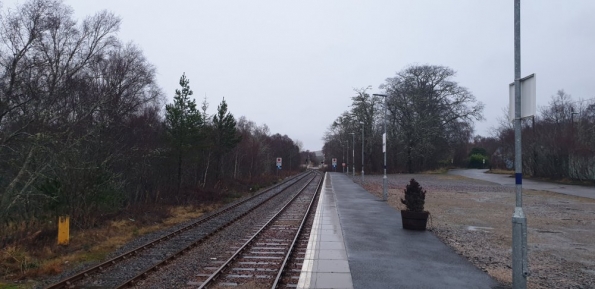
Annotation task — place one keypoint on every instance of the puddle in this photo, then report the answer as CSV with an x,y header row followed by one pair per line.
x,y
477,228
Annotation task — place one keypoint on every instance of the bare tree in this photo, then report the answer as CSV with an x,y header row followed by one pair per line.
x,y
68,94
427,107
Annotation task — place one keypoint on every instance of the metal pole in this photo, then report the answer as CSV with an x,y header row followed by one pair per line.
x,y
384,179
384,146
362,152
347,154
342,157
519,221
353,154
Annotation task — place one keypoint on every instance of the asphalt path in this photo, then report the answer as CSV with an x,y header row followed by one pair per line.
x,y
506,180
383,255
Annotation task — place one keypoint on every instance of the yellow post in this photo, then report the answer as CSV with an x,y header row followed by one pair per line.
x,y
63,230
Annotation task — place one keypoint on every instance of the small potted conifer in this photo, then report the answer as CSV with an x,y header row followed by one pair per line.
x,y
414,217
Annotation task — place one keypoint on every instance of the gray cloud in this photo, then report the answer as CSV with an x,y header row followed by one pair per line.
x,y
293,65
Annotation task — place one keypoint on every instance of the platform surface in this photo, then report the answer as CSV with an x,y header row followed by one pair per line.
x,y
355,225
325,263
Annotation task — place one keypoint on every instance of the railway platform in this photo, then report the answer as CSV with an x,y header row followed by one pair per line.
x,y
357,241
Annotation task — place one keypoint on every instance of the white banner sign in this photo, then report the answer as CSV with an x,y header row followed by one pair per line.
x,y
528,97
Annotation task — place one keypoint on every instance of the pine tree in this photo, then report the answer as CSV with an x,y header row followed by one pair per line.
x,y
415,197
226,135
183,123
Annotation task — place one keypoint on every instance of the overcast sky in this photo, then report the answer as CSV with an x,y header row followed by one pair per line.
x,y
293,64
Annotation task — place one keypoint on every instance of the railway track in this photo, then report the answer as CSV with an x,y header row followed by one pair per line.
x,y
268,258
128,268
290,275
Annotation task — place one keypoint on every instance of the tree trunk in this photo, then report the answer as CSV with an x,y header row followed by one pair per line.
x,y
179,172
409,161
8,192
251,168
235,166
204,183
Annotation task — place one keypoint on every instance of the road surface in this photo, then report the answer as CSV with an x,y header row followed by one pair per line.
x,y
506,180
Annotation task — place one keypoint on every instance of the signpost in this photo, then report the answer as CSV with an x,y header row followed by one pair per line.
x,y
520,266
279,164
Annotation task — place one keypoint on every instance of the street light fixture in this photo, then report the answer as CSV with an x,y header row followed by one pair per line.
x,y
384,180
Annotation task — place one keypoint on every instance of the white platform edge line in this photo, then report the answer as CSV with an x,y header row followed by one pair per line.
x,y
307,276
305,280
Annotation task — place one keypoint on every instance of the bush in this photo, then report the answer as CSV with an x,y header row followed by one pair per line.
x,y
476,161
478,151
415,197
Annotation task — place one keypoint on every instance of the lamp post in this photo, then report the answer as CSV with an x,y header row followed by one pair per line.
x,y
362,123
572,113
353,153
384,180
342,157
347,156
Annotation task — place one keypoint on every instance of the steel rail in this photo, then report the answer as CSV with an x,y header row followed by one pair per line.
x,y
249,242
67,282
145,273
297,235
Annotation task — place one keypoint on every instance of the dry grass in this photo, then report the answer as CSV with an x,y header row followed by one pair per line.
x,y
501,172
20,264
13,286
567,181
436,171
